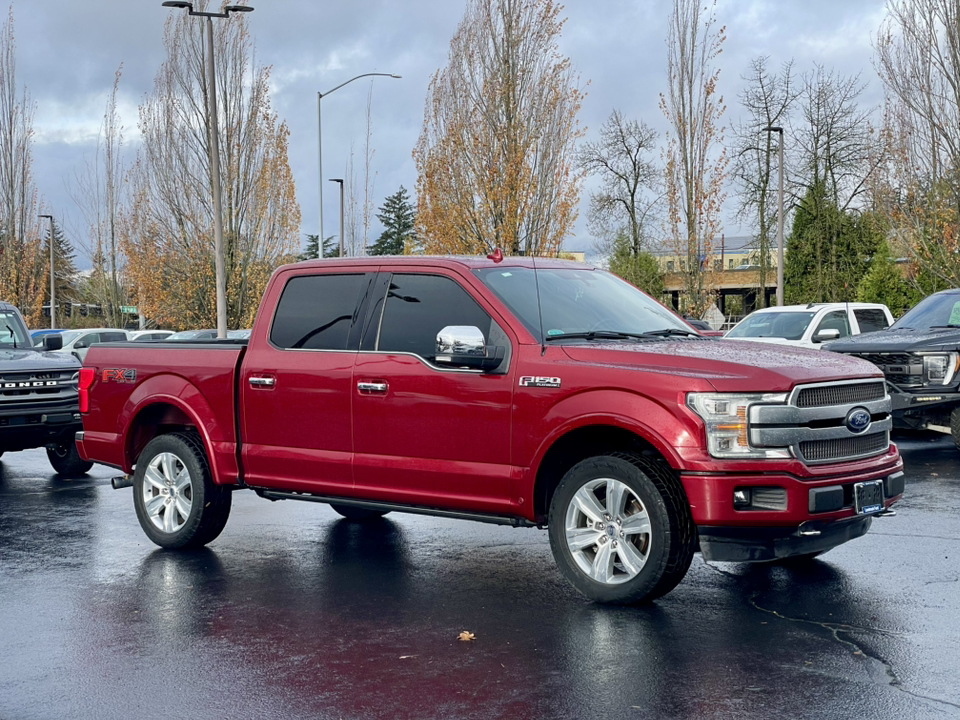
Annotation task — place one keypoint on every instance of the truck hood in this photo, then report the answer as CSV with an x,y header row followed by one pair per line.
x,y
28,360
900,340
728,365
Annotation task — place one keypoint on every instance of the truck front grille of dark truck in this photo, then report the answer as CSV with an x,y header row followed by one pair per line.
x,y
814,422
823,450
64,386
899,368
840,394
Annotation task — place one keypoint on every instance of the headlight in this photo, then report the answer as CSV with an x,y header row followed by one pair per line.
x,y
939,368
726,419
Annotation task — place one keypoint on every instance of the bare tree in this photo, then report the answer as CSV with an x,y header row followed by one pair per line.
x,y
496,156
22,259
630,181
696,162
766,100
169,237
98,191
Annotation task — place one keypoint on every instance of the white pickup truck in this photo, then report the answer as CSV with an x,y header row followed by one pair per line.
x,y
811,325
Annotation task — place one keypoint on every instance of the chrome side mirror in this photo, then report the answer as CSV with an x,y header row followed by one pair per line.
x,y
465,346
826,335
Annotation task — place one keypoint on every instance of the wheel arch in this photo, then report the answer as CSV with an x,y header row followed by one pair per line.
x,y
585,441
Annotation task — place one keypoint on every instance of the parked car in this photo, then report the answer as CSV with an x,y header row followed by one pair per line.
x,y
39,404
149,335
36,336
194,335
548,394
77,342
920,358
702,327
811,325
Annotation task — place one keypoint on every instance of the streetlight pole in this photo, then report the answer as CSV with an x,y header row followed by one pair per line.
x,y
53,279
340,180
771,129
321,96
214,145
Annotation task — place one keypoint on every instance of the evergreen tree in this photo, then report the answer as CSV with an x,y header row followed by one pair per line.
x,y
312,251
885,283
398,217
637,268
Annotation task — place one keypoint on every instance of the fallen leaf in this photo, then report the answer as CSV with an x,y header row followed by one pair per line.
x,y
466,636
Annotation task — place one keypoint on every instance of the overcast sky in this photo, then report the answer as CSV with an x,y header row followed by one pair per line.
x,y
69,50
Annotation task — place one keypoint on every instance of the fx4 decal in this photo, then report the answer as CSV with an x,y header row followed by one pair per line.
x,y
120,375
541,382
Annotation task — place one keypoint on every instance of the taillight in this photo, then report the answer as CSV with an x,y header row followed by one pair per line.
x,y
87,376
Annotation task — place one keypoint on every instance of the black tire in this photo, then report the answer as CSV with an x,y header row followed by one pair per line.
x,y
351,512
160,500
65,460
955,426
666,549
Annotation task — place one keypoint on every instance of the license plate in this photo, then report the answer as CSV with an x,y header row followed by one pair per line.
x,y
868,497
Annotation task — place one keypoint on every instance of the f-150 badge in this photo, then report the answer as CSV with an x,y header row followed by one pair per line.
x,y
543,382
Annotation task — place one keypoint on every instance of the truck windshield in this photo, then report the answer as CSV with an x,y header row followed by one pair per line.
x,y
575,301
12,332
940,310
786,325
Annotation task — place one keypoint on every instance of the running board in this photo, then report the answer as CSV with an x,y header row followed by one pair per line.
x,y
394,507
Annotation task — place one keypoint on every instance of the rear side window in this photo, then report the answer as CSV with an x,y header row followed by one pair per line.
x,y
420,306
315,312
112,337
871,319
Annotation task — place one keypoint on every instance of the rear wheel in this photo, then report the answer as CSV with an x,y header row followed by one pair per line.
x,y
620,528
177,503
65,459
357,513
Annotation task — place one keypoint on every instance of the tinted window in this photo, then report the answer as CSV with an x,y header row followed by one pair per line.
x,y
870,319
316,311
113,337
836,320
420,306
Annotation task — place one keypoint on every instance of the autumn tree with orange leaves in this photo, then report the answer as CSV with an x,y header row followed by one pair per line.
x,y
169,231
496,158
696,162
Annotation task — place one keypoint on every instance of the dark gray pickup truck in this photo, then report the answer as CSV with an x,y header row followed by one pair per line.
x,y
39,404
920,358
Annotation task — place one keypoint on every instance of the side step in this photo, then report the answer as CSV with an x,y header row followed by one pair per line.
x,y
394,507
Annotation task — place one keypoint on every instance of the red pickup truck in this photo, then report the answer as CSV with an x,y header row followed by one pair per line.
x,y
515,391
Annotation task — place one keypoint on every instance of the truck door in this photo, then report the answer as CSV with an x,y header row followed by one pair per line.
x,y
425,434
296,385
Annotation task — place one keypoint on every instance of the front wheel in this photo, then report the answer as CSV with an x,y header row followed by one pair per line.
x,y
620,528
955,426
65,460
177,503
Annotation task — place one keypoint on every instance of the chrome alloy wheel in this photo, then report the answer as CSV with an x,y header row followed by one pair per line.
x,y
608,531
167,492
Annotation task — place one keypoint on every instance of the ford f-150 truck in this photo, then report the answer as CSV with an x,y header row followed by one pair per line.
x,y
38,395
518,391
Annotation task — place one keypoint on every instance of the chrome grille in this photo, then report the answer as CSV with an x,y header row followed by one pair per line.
x,y
844,448
825,395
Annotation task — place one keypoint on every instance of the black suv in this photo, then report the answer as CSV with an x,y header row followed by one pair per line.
x,y
920,357
39,405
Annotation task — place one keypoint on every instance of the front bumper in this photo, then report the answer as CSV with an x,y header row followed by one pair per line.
x,y
24,427
917,410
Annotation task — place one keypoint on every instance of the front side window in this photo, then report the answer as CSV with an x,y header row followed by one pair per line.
x,y
836,320
418,307
316,312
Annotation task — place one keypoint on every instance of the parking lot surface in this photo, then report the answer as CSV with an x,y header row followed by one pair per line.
x,y
296,613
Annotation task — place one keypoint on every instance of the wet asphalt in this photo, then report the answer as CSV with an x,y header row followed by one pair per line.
x,y
296,613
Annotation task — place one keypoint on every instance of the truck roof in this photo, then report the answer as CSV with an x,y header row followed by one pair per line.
x,y
451,261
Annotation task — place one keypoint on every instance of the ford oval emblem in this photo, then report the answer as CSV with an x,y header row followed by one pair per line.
x,y
857,420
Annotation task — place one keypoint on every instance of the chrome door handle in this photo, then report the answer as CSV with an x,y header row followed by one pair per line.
x,y
372,387
262,381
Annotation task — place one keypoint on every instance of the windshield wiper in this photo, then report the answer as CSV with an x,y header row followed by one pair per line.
x,y
13,336
943,327
617,335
